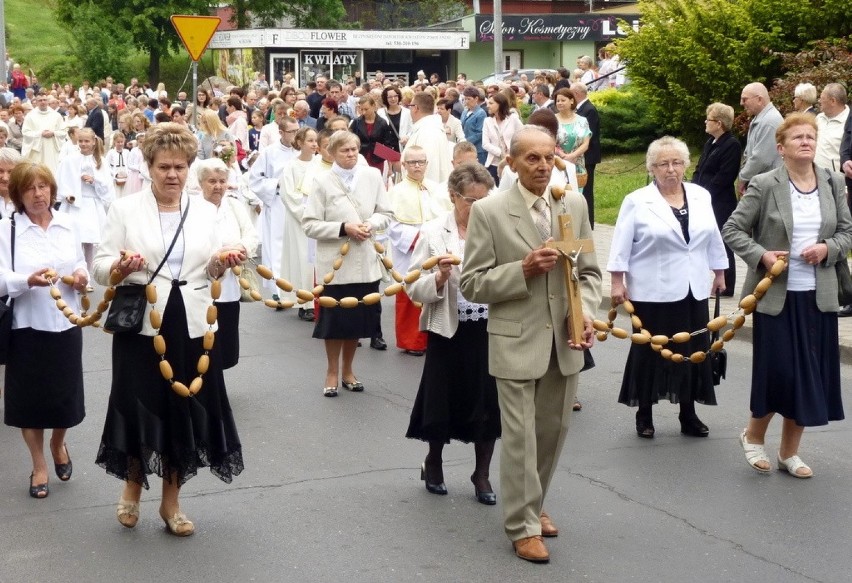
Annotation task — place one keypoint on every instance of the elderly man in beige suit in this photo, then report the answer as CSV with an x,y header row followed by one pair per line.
x,y
530,354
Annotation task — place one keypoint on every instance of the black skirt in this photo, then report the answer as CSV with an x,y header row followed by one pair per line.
x,y
796,363
457,398
349,323
149,429
228,333
648,377
44,379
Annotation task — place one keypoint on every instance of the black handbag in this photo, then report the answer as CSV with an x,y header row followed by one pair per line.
x,y
844,282
6,308
127,310
718,360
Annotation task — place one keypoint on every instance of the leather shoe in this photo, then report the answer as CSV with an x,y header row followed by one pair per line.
x,y
64,471
548,529
532,549
845,311
486,496
694,427
438,488
415,352
378,343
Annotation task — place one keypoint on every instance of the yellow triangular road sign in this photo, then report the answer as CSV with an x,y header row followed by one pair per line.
x,y
195,32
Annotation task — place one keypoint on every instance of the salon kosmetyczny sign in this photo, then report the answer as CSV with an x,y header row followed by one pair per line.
x,y
553,27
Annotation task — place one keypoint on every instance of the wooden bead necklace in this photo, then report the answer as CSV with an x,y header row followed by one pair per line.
x,y
155,318
736,319
303,296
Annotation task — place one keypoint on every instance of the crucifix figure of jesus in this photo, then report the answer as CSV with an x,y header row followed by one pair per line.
x,y
570,249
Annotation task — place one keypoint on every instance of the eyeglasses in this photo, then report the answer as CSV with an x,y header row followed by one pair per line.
x,y
415,162
670,163
469,200
708,119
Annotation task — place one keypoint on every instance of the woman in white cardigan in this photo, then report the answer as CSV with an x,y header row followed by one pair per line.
x,y
236,232
666,257
457,398
150,428
497,131
348,203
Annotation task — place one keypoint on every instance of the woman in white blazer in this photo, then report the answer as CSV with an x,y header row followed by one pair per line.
x,y
665,247
457,398
149,428
348,203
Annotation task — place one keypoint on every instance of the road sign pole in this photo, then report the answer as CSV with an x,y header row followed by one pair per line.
x,y
195,94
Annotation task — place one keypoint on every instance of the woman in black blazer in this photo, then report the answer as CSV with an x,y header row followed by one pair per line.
x,y
717,171
372,129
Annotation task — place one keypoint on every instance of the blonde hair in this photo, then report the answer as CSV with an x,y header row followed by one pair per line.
x,y
98,152
210,124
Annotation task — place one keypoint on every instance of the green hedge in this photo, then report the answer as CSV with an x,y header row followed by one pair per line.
x,y
626,121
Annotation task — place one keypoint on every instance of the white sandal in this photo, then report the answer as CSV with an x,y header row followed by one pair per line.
x,y
754,453
792,465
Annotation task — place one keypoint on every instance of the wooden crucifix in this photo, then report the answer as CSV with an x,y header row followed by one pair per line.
x,y
570,248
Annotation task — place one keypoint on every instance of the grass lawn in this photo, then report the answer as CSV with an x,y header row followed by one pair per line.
x,y
615,177
34,37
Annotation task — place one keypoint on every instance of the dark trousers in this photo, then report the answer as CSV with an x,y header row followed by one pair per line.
x,y
589,192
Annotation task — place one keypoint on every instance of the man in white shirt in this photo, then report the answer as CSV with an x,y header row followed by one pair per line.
x,y
427,132
269,134
43,134
830,123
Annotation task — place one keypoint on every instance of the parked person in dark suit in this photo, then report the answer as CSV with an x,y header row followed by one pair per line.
x,y
717,172
592,156
95,120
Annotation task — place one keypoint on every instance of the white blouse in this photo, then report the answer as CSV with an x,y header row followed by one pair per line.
x,y
806,223
235,228
59,248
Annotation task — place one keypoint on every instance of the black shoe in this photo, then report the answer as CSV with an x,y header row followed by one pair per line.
x,y
41,490
644,426
306,315
693,427
415,352
63,471
845,311
487,497
378,343
438,488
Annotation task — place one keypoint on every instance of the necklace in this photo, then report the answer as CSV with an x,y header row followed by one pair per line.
x,y
169,206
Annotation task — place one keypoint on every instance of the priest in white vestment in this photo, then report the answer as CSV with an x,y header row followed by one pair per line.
x,y
264,177
43,133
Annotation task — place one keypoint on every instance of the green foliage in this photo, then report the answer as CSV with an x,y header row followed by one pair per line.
x,y
626,122
401,14
60,69
34,37
100,50
303,13
690,53
524,110
821,63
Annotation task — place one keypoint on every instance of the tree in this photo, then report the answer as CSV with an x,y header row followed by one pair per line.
x,y
147,23
101,50
688,54
401,14
303,13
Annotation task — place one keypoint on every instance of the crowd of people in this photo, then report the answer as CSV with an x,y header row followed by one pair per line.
x,y
334,181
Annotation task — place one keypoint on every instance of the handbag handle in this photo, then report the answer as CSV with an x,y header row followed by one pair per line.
x,y
715,335
172,245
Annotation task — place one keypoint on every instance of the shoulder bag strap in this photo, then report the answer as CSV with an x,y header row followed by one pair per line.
x,y
174,240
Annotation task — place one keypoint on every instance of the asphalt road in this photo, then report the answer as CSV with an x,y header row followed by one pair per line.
x,y
331,490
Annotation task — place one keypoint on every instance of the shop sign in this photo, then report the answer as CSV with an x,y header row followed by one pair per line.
x,y
553,27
